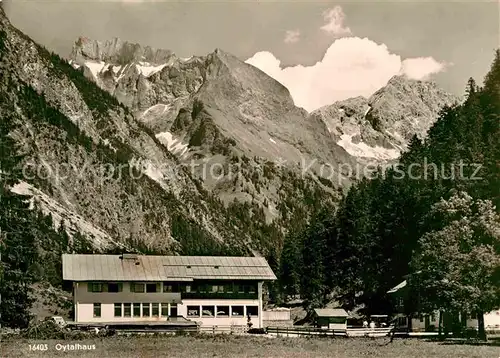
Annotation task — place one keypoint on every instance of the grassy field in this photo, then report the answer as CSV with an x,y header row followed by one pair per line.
x,y
234,346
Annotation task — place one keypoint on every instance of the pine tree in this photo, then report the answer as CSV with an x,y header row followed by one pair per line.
x,y
18,245
290,266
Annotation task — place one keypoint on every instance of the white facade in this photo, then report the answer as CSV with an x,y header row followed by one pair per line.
x,y
491,321
209,290
126,307
238,312
280,314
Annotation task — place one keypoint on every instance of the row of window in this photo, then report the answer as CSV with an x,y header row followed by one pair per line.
x,y
140,310
170,309
138,287
222,311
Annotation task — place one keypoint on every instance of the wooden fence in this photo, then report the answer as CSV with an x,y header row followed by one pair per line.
x,y
313,331
305,331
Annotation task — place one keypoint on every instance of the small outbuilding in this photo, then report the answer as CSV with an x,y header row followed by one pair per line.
x,y
331,318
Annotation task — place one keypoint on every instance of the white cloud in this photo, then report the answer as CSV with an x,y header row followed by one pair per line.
x,y
350,67
334,19
422,68
292,36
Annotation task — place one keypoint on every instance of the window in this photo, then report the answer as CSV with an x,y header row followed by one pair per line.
x,y
193,311
400,302
208,311
249,288
222,311
421,318
151,288
241,289
237,310
170,287
215,288
155,309
137,287
252,288
118,309
188,288
127,308
145,310
173,310
97,310
94,287
137,310
164,309
228,288
253,310
115,287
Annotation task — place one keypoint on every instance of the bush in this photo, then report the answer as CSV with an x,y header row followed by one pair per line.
x,y
257,331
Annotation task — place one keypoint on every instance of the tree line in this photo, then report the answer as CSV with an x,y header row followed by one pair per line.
x,y
442,222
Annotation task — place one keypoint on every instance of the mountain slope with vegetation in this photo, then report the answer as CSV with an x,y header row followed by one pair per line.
x,y
389,227
79,173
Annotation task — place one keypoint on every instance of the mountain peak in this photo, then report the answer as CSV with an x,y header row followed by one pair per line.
x,y
117,51
3,16
382,125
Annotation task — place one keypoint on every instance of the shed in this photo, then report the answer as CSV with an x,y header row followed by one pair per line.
x,y
331,318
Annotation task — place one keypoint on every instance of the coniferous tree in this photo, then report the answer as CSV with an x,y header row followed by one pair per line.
x,y
290,266
17,246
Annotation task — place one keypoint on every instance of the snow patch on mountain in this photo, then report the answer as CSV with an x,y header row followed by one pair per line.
x,y
95,68
147,69
157,110
365,151
174,145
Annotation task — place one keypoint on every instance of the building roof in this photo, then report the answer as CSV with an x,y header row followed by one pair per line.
x,y
331,312
398,287
131,267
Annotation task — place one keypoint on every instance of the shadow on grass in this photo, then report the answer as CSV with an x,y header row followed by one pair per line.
x,y
491,342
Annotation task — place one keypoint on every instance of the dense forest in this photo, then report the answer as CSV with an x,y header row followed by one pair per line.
x,y
400,222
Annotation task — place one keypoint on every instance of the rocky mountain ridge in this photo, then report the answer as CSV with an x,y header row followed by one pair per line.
x,y
380,127
373,130
92,165
215,107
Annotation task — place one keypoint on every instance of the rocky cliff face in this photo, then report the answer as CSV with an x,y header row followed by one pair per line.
x,y
381,126
214,108
87,159
121,179
245,104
